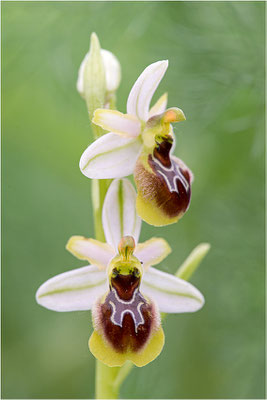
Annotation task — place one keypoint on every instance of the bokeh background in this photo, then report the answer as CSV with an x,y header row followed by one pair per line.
x,y
216,75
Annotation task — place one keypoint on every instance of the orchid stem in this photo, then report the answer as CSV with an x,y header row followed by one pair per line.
x,y
122,374
105,377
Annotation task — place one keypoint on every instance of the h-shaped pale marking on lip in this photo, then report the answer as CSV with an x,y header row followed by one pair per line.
x,y
129,307
178,175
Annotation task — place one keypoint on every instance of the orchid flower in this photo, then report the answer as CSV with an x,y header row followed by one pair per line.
x,y
142,142
125,293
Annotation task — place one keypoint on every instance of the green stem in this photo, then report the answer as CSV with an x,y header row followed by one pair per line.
x,y
105,377
122,374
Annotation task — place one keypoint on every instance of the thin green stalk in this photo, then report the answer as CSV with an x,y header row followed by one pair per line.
x,y
105,377
122,374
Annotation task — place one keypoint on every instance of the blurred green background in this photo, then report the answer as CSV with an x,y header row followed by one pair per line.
x,y
216,75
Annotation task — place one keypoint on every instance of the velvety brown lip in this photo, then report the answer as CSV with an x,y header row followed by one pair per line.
x,y
170,183
126,316
126,337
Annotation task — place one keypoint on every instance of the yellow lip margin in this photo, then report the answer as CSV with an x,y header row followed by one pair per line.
x,y
107,355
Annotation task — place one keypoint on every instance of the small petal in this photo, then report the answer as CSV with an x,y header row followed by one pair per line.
x,y
73,290
117,122
110,156
92,250
144,88
160,106
119,216
152,251
172,294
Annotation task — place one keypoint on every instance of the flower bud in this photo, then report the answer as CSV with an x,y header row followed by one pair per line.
x,y
92,81
112,72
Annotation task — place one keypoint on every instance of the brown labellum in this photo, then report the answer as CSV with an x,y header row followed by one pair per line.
x,y
169,186
125,317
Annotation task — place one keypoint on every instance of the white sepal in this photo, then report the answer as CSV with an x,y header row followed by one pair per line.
x,y
74,290
110,156
172,294
144,88
119,215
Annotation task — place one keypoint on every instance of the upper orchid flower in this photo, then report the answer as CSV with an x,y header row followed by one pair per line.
x,y
142,142
121,288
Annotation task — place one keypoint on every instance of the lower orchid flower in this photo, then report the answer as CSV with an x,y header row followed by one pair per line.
x,y
125,293
142,142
